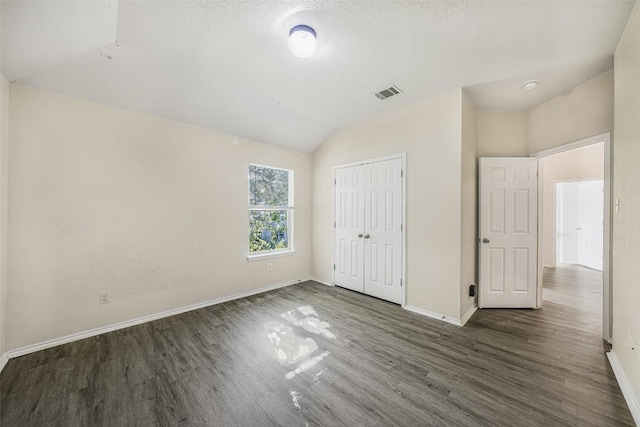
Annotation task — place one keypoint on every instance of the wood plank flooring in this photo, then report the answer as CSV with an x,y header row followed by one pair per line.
x,y
315,355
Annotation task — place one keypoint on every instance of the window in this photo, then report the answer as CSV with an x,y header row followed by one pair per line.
x,y
270,210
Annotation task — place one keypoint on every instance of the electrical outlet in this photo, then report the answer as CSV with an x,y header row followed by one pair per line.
x,y
269,267
104,297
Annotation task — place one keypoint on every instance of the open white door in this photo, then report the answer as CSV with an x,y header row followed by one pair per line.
x,y
349,228
508,232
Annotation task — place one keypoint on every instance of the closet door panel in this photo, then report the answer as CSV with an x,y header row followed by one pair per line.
x,y
383,230
349,228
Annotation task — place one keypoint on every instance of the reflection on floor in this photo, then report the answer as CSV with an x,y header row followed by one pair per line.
x,y
315,355
290,347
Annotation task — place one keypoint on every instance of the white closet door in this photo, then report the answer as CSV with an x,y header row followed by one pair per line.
x,y
569,223
591,217
349,228
383,233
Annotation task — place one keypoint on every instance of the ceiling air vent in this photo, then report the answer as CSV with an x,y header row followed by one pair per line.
x,y
388,92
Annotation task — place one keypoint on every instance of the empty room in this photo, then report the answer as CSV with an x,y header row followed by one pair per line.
x,y
300,213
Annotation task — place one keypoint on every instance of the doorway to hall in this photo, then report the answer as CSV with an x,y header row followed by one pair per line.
x,y
574,233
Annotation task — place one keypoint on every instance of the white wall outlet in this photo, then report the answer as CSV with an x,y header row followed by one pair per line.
x,y
104,297
269,267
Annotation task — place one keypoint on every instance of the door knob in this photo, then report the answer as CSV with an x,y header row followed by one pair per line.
x,y
360,235
366,236
485,240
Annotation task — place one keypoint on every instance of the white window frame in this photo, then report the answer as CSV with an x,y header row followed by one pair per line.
x,y
256,256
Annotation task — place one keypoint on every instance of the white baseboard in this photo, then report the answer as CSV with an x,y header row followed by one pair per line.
x,y
319,280
433,315
625,386
3,360
144,319
468,314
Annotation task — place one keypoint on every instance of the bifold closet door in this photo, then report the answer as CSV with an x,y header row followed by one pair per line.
x,y
368,229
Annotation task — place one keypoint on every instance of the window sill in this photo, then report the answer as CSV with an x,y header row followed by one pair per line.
x,y
278,254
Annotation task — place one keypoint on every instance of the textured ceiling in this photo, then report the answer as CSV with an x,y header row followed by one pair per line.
x,y
225,65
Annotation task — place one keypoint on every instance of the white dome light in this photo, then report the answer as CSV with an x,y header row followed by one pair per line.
x,y
531,84
302,41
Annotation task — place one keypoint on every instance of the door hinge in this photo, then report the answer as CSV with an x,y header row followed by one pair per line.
x,y
335,182
400,282
334,266
334,224
401,173
400,227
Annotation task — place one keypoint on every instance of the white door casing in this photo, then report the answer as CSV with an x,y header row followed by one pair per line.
x,y
508,232
349,228
383,233
607,310
369,239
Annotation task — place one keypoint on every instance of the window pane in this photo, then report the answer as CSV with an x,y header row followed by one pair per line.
x,y
268,230
268,186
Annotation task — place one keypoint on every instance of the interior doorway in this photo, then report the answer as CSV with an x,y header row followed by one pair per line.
x,y
574,232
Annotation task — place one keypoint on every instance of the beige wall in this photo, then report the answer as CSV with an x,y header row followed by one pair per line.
x,y
430,133
584,112
102,199
468,224
502,133
581,164
626,182
152,211
4,144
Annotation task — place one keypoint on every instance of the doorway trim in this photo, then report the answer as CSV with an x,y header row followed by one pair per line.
x,y
607,323
403,158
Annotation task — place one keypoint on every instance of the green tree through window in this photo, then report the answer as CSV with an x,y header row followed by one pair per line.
x,y
270,208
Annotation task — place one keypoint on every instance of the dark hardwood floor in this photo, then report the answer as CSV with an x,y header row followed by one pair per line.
x,y
315,355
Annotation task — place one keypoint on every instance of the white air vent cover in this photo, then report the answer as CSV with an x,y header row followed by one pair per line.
x,y
388,92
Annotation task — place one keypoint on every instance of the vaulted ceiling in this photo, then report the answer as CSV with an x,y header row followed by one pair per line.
x,y
225,65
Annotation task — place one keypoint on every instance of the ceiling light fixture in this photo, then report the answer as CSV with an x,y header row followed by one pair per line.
x,y
531,84
302,41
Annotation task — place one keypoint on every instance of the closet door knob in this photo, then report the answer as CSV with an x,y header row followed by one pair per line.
x,y
366,236
360,235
